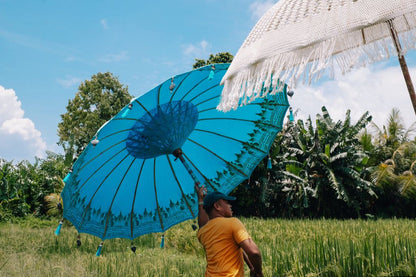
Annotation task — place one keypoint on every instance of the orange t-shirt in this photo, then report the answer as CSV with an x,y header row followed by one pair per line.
x,y
221,237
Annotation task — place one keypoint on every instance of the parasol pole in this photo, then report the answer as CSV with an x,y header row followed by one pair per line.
x,y
403,64
178,154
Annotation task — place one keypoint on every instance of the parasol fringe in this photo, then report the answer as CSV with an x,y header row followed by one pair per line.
x,y
347,51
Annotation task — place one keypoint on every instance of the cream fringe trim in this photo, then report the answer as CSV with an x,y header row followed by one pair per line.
x,y
307,64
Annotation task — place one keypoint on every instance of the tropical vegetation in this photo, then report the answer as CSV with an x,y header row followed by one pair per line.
x,y
335,170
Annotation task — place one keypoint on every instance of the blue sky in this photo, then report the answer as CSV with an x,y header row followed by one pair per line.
x,y
48,47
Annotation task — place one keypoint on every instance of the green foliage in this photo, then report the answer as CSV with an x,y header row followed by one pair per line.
x,y
96,102
391,168
222,57
24,186
319,169
336,169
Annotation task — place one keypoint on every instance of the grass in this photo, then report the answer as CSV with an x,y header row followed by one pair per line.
x,y
289,247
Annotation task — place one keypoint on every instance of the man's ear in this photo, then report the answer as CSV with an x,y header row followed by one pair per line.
x,y
217,205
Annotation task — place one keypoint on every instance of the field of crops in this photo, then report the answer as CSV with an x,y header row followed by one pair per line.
x,y
289,248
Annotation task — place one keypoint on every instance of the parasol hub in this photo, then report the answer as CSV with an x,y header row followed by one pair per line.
x,y
162,130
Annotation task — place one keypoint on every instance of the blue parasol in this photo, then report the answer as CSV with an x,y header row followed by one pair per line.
x,y
137,175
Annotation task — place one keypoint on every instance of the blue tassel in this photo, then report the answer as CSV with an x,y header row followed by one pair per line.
x,y
269,163
129,107
58,229
67,177
125,113
211,73
99,249
162,243
291,117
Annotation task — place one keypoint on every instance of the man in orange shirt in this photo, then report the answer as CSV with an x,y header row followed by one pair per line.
x,y
226,241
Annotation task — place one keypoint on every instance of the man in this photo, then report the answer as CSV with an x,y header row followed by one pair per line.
x,y
226,241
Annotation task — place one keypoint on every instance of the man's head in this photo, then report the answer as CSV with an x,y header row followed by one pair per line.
x,y
219,200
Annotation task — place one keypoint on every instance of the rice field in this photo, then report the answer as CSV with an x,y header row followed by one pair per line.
x,y
289,248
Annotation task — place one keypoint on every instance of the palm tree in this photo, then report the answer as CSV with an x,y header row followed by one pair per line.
x,y
393,170
390,136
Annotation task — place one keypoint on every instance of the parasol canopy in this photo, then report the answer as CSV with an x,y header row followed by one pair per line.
x,y
297,40
138,173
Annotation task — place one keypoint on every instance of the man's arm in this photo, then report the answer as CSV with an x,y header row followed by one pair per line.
x,y
247,260
202,214
253,255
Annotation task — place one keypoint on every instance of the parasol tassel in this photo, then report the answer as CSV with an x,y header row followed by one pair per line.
x,y
79,240
67,177
291,117
99,249
269,163
172,85
211,73
125,113
133,248
162,243
58,229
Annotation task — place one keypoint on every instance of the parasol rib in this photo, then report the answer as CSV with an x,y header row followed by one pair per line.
x,y
115,195
179,85
98,188
203,176
206,100
248,104
237,140
180,187
206,110
95,171
216,155
196,85
99,154
157,199
134,199
240,119
115,133
158,94
207,90
144,108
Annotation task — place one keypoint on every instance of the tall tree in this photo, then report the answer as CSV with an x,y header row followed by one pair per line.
x,y
222,57
96,102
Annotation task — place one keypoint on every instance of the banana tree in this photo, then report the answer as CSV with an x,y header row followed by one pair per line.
x,y
325,164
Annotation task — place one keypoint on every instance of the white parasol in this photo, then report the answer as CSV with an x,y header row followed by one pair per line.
x,y
297,40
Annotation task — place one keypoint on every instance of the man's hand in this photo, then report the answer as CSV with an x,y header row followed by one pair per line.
x,y
203,217
201,191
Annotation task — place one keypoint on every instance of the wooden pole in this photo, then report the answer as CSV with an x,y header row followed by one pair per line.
x,y
403,64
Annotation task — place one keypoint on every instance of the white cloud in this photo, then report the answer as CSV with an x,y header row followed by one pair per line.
x,y
69,82
122,56
199,50
259,8
19,138
366,89
104,24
